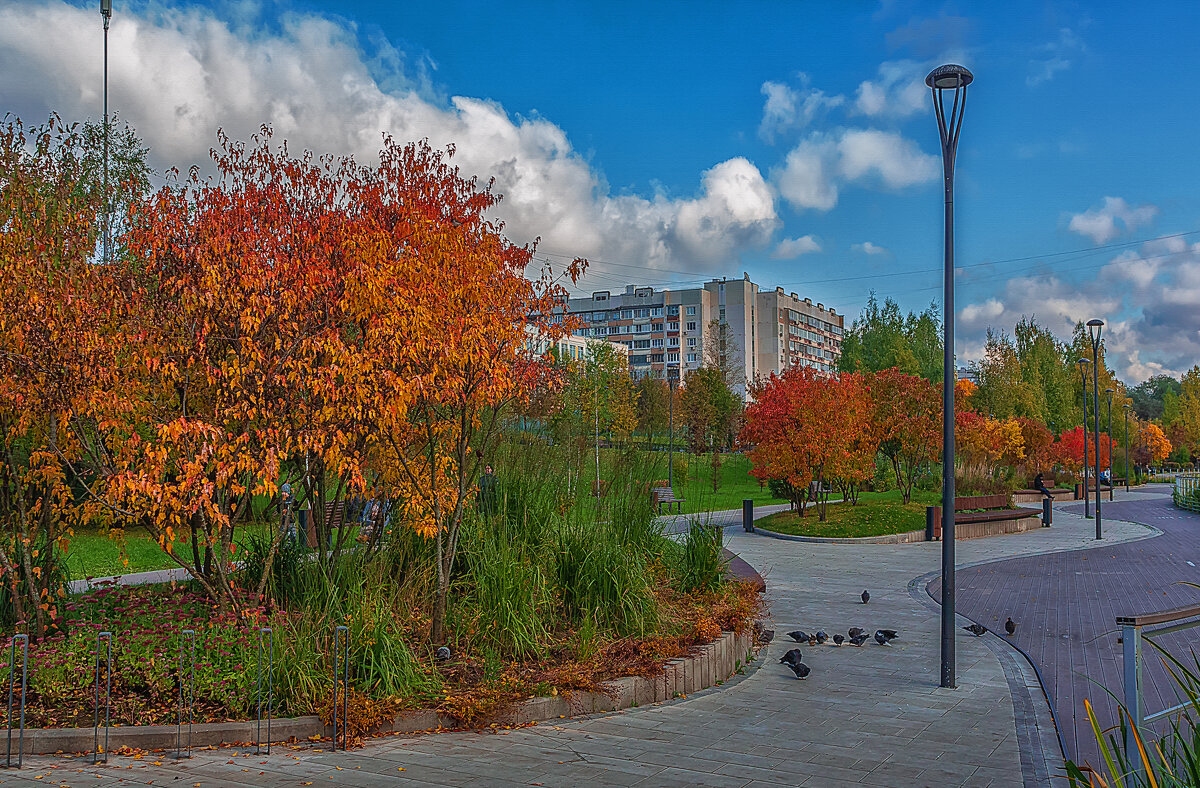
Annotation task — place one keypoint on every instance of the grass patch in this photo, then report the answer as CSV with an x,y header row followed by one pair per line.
x,y
876,514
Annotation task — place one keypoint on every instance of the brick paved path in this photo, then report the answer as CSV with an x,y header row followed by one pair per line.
x,y
871,715
1065,606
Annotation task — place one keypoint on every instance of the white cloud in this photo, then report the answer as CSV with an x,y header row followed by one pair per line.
x,y
1149,299
898,91
866,247
1101,223
814,171
787,108
177,75
790,248
1054,57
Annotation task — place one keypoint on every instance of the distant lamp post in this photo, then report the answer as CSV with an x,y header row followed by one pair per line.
x,y
1109,393
955,79
106,12
1087,501
671,383
1095,327
1126,409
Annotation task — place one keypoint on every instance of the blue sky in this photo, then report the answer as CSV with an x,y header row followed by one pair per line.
x,y
673,142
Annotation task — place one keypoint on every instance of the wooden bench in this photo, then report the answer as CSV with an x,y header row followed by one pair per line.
x,y
335,517
665,495
1105,490
966,512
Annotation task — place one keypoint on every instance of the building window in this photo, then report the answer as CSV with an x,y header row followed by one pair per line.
x,y
642,328
691,326
672,326
673,311
722,313
673,342
656,327
691,342
626,329
626,314
656,311
641,313
691,310
641,344
656,343
691,357
672,357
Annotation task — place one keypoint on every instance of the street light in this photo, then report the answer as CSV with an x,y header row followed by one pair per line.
x,y
671,383
1095,327
1087,501
953,78
1126,407
1109,393
106,12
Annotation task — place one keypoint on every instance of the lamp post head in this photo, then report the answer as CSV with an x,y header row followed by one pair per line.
x,y
106,8
1095,327
949,77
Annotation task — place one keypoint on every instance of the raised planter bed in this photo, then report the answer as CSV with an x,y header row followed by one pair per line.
x,y
1027,497
712,664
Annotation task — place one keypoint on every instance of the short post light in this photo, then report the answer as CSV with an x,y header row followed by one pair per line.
x,y
1087,501
1095,327
951,79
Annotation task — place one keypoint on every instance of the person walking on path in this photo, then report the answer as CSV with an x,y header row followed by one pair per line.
x,y
1039,483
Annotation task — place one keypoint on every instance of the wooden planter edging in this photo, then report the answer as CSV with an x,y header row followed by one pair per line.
x,y
901,538
1023,497
712,664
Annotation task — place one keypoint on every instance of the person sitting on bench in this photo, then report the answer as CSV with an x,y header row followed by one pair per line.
x,y
1106,478
1039,483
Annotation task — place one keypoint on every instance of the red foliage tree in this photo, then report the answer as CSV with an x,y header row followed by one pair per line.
x,y
908,417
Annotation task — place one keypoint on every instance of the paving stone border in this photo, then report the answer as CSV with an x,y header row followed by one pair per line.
x,y
901,538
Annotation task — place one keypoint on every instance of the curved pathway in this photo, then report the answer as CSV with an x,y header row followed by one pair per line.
x,y
870,715
1066,604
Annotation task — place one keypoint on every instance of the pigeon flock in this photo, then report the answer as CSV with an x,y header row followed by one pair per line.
x,y
856,636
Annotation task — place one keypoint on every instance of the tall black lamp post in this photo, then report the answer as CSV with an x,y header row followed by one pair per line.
x,y
1094,328
1087,500
106,12
953,79
1125,407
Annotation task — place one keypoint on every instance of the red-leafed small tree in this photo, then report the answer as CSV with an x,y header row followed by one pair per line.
x,y
908,415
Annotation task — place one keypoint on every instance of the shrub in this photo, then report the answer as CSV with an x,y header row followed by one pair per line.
x,y
703,565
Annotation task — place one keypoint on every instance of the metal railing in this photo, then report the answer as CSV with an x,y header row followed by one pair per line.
x,y
1132,635
1187,491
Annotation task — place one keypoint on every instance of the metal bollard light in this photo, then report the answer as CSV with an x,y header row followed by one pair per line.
x,y
96,750
341,639
748,515
1047,512
187,635
270,637
12,678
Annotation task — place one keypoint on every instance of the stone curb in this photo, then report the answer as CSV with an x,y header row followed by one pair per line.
x,y
902,538
712,664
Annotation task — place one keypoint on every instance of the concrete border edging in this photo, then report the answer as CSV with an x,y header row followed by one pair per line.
x,y
901,538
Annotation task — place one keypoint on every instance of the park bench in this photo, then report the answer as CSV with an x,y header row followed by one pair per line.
x,y
980,515
1031,495
665,495
335,517
1105,491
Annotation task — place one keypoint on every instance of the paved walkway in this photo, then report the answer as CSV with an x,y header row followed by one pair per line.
x,y
1066,605
870,715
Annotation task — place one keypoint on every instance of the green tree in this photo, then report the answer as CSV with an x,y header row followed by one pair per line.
x,y
653,403
1149,397
884,338
709,409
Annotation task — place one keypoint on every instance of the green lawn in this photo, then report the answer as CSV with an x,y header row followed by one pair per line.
x,y
94,553
876,514
734,484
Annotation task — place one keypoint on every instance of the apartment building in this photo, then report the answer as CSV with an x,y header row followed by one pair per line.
x,y
666,330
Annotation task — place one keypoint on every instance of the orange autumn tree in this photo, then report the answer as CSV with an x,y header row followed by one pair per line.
x,y
442,311
243,344
908,415
60,308
805,426
1155,443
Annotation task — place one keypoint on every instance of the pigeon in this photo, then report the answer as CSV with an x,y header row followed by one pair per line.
x,y
866,597
821,637
839,640
800,669
443,654
1010,626
859,639
766,636
854,632
800,636
793,657
882,636
976,629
